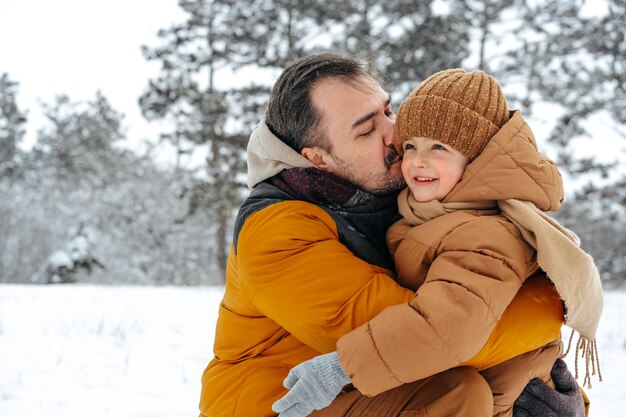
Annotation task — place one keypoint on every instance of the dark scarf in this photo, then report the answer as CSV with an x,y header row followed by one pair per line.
x,y
370,214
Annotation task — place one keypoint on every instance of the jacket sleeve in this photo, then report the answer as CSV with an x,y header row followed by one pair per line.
x,y
295,271
467,288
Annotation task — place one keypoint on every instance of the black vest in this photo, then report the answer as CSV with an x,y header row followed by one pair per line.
x,y
365,237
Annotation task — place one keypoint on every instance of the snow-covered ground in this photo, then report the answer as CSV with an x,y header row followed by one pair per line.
x,y
75,350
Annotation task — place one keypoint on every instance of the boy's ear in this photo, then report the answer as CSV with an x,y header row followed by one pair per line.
x,y
317,156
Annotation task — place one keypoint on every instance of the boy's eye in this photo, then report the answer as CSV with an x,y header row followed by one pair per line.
x,y
408,146
439,147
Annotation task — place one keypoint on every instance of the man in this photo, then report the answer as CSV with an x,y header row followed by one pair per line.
x,y
309,262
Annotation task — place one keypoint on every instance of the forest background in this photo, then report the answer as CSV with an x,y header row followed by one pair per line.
x,y
80,204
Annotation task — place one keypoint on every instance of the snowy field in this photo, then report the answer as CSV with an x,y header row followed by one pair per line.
x,y
76,350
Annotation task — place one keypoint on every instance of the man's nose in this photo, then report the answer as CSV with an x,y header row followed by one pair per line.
x,y
388,132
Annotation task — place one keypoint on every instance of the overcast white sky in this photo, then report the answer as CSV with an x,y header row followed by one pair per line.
x,y
76,47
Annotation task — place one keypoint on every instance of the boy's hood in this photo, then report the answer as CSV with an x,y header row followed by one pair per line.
x,y
510,166
267,156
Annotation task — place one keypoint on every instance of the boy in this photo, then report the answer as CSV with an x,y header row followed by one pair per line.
x,y
473,233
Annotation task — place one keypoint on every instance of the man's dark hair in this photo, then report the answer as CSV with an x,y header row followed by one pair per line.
x,y
290,113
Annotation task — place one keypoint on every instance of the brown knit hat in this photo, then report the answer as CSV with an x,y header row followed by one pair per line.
x,y
460,109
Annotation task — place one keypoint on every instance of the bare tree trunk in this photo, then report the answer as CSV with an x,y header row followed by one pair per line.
x,y
484,27
222,234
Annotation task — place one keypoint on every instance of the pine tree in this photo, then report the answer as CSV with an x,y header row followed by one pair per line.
x,y
403,41
218,36
576,60
78,142
12,121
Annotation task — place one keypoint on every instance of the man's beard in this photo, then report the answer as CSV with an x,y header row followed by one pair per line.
x,y
392,184
391,157
384,182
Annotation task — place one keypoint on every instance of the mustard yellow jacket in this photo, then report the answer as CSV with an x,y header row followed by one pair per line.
x,y
292,289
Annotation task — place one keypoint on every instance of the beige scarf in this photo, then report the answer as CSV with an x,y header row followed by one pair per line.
x,y
572,271
417,213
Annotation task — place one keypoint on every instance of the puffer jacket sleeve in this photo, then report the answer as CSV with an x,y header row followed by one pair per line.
x,y
295,271
478,269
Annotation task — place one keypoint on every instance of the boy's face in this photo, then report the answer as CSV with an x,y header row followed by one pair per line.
x,y
431,169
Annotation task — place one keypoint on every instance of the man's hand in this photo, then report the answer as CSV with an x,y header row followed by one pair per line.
x,y
312,385
539,400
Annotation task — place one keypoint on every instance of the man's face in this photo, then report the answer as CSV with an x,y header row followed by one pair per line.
x,y
358,123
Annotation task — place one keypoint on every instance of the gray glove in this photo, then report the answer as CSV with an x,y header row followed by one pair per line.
x,y
539,400
312,385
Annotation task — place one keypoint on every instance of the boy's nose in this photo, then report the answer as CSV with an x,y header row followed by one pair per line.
x,y
419,161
